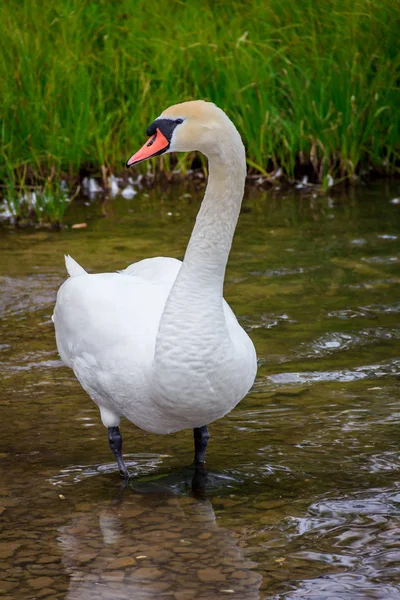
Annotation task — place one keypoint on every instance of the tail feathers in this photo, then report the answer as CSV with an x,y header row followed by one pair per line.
x,y
73,268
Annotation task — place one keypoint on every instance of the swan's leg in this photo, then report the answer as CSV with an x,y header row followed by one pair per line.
x,y
115,441
201,437
111,421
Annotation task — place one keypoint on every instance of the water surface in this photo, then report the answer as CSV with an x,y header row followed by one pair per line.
x,y
303,499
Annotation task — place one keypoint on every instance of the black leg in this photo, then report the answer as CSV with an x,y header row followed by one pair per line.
x,y
201,437
115,441
199,480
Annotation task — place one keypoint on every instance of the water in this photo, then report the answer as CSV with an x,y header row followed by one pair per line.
x,y
303,499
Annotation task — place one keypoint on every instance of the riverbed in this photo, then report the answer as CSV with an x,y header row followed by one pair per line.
x,y
303,495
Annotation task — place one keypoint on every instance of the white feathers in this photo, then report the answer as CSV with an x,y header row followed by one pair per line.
x,y
73,268
156,343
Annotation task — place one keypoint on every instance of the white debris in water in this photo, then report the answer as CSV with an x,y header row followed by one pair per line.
x,y
395,201
137,181
386,236
303,183
91,185
113,185
8,211
128,192
33,199
63,186
277,174
330,181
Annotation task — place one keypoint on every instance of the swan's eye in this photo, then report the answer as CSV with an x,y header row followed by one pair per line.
x,y
178,121
151,142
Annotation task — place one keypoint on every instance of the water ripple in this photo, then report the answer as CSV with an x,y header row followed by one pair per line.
x,y
142,464
28,294
369,311
388,368
341,586
338,341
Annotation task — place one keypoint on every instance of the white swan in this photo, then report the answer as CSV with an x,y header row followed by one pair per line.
x,y
157,343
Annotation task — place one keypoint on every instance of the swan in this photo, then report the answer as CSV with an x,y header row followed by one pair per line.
x,y
157,343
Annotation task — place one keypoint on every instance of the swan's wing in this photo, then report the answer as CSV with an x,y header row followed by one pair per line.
x,y
160,268
73,268
108,316
106,327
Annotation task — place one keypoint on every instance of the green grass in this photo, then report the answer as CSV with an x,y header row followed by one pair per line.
x,y
313,86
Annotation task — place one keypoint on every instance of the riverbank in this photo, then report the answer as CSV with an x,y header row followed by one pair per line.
x,y
312,87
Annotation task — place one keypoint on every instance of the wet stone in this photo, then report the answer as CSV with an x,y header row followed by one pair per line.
x,y
210,575
84,557
185,595
270,518
83,506
78,530
187,581
45,592
7,549
269,504
247,577
46,559
128,550
6,586
161,556
94,543
92,577
190,551
160,586
130,513
39,583
33,567
121,563
147,573
240,574
113,575
24,560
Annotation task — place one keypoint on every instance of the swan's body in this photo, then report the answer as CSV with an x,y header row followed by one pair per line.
x,y
106,328
156,343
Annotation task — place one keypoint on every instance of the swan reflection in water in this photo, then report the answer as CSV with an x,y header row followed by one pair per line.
x,y
146,546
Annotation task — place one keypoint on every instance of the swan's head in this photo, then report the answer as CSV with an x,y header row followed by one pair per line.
x,y
195,125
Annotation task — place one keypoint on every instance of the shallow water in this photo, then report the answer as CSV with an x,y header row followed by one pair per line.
x,y
303,498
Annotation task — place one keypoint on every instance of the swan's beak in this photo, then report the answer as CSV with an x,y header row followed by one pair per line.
x,y
157,144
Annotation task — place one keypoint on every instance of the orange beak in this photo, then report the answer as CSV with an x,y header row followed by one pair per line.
x,y
157,144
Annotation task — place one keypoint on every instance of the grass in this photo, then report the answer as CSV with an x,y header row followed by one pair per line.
x,y
312,86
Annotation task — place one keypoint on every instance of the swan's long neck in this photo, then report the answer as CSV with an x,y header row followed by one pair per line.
x,y
205,260
210,243
203,361
193,335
